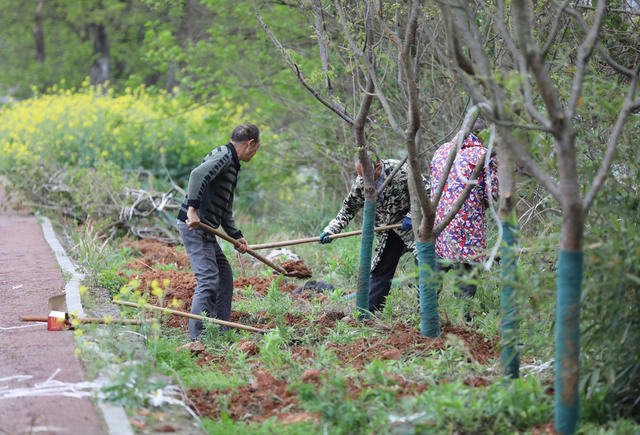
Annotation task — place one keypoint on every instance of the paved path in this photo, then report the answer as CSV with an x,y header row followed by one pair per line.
x,y
29,275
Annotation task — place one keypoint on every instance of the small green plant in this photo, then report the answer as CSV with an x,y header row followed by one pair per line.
x,y
278,302
331,400
111,281
133,383
270,348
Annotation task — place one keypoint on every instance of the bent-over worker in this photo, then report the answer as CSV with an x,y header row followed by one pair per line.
x,y
392,206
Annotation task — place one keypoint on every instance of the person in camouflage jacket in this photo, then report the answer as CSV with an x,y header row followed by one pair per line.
x,y
392,206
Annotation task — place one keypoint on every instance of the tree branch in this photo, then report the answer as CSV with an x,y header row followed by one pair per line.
x,y
471,117
535,62
612,144
321,34
413,114
554,29
584,54
370,69
455,207
601,50
522,67
525,158
341,112
521,126
621,11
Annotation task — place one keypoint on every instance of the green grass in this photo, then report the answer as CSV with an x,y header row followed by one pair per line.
x,y
353,399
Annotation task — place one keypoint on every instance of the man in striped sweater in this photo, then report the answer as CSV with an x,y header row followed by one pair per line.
x,y
210,200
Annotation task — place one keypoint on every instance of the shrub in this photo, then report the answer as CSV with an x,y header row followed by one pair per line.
x,y
133,130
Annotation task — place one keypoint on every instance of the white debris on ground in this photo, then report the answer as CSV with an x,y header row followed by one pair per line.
x,y
536,367
170,394
281,254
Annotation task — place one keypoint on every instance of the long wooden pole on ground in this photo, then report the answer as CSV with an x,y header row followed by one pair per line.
x,y
315,239
87,320
192,316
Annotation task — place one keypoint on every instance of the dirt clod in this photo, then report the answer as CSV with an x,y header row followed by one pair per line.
x,y
247,346
165,428
194,347
298,267
312,375
391,354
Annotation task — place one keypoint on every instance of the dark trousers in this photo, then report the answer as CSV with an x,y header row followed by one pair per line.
x,y
382,275
464,289
214,278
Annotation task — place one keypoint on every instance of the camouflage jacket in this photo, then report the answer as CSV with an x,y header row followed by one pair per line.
x,y
392,205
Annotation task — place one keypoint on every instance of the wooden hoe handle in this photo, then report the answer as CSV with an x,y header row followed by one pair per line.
x,y
315,239
250,251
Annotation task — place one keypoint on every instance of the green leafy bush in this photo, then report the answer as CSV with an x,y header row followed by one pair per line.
x,y
610,301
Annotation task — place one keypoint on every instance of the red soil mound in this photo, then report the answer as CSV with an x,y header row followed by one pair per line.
x,y
155,252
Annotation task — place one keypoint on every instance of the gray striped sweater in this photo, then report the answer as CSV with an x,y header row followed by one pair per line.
x,y
211,187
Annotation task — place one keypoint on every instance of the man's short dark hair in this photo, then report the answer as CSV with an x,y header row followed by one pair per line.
x,y
245,132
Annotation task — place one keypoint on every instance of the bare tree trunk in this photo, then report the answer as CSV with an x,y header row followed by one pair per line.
x,y
370,197
100,68
321,35
508,264
38,32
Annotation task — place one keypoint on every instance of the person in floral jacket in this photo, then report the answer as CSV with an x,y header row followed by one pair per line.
x,y
391,207
463,242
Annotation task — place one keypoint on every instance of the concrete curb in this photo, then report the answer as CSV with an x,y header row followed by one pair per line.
x,y
72,288
114,416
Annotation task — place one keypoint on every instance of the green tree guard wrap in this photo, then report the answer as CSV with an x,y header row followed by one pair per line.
x,y
570,265
508,303
430,325
366,248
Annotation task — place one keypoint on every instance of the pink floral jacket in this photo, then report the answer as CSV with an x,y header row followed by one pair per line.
x,y
465,238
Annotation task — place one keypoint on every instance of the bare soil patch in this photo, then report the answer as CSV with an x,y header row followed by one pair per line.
x,y
410,341
267,396
261,399
156,252
261,285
